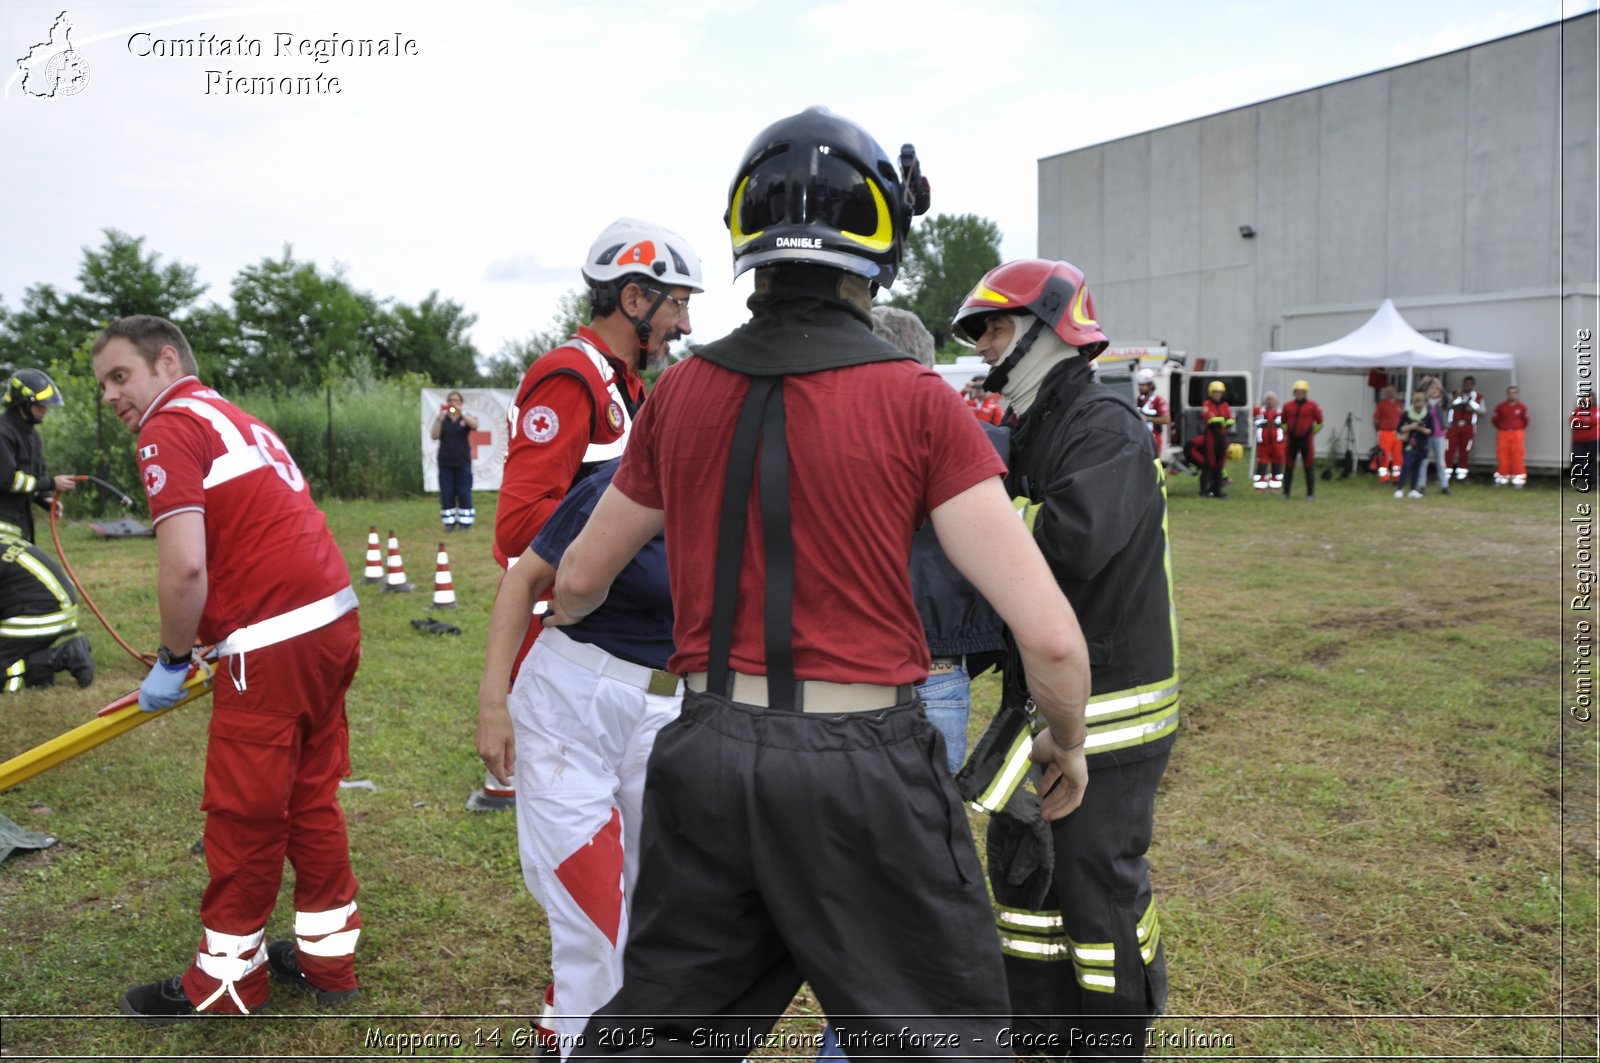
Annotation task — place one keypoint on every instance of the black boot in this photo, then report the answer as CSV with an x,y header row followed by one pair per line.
x,y
158,1003
283,957
75,656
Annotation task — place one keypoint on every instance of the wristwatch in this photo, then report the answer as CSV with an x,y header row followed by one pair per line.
x,y
172,658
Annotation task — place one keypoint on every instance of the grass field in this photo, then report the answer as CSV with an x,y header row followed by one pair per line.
x,y
1376,837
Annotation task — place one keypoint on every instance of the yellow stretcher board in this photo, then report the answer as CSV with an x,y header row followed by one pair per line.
x,y
117,718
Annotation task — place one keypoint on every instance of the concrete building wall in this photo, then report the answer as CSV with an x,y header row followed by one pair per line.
x,y
1462,186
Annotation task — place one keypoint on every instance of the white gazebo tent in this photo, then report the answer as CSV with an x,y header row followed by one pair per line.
x,y
1387,342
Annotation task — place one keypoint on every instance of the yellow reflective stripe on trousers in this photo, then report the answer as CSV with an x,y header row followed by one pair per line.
x,y
1095,963
1028,934
1149,933
14,672
1012,771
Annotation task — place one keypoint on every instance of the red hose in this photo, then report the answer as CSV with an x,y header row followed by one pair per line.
x,y
83,593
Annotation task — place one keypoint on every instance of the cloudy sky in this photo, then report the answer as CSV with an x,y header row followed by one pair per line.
x,y
484,163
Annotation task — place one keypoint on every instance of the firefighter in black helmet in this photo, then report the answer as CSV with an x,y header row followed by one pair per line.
x,y
29,396
799,822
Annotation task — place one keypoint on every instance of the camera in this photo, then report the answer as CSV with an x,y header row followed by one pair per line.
x,y
448,408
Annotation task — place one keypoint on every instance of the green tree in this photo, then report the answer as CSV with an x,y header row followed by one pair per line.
x,y
431,338
298,326
505,369
117,279
945,256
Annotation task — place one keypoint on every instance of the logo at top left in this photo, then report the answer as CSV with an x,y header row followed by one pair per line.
x,y
54,68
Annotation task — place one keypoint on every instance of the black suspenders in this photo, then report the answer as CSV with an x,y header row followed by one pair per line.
x,y
760,429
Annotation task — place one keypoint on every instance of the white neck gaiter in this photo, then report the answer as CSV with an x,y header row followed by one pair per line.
x,y
1048,350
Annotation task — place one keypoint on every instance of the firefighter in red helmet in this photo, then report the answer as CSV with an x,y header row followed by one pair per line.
x,y
1077,921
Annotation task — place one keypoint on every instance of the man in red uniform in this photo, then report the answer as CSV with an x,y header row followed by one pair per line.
x,y
1153,407
1269,444
246,563
1465,406
576,404
1209,449
986,405
799,822
1302,420
1511,422
1386,418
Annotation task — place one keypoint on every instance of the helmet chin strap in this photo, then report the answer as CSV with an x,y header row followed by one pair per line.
x,y
996,380
641,326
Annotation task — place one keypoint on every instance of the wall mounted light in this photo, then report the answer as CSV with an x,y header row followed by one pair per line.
x,y
1247,231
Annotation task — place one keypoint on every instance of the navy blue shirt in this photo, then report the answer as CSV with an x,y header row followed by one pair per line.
x,y
635,621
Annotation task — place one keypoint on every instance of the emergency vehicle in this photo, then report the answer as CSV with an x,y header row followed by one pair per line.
x,y
1184,389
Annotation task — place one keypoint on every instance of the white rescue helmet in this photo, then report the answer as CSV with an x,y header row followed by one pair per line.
x,y
629,247
1145,376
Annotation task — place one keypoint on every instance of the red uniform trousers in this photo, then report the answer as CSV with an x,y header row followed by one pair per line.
x,y
1459,451
1509,451
278,746
1392,453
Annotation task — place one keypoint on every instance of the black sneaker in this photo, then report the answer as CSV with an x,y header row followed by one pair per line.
x,y
284,960
74,656
158,1003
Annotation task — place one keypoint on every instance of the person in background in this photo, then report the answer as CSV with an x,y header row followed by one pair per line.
x,y
38,607
30,396
1414,432
453,428
1209,450
1386,418
1269,444
1465,406
1511,423
1302,420
985,405
1153,408
1438,429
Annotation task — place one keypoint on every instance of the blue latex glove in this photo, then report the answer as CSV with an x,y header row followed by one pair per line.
x,y
163,687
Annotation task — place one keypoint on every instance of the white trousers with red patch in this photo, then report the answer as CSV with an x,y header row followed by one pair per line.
x,y
584,729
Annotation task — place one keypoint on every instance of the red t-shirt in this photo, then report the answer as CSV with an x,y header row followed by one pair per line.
x,y
872,449
268,548
1386,417
1511,416
557,417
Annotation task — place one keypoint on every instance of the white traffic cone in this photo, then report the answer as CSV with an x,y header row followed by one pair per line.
x,y
494,797
374,572
444,591
544,1030
397,568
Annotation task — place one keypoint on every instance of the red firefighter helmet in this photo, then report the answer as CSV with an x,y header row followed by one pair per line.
x,y
1055,292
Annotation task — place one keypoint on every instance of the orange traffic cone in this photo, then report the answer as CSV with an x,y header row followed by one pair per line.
x,y
444,591
397,568
374,572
